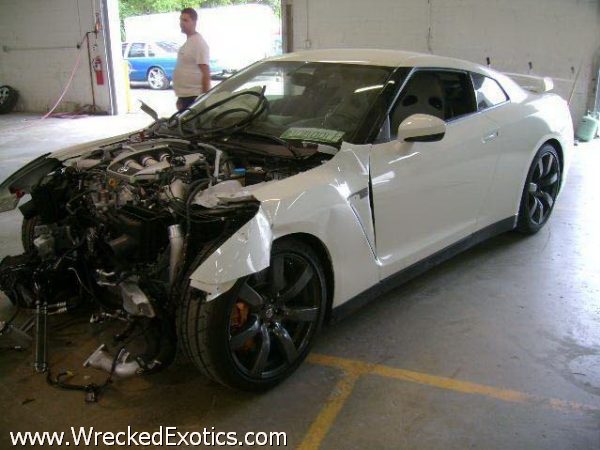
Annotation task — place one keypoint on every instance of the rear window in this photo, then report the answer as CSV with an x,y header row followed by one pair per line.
x,y
137,51
487,91
168,47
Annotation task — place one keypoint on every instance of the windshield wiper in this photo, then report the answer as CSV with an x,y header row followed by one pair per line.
x,y
148,110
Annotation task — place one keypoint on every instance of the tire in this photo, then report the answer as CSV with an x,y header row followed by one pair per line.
x,y
27,229
8,99
540,191
257,334
157,79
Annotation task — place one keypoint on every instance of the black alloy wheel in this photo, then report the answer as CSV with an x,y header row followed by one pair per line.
x,y
279,310
258,333
540,191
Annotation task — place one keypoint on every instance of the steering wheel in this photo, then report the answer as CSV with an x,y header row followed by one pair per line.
x,y
337,118
213,123
262,105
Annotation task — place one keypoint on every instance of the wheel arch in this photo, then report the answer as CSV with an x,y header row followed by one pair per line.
x,y
324,257
555,143
558,147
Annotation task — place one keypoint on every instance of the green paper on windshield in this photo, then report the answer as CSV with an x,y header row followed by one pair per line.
x,y
313,134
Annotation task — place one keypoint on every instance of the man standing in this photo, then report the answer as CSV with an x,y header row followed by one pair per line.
x,y
191,77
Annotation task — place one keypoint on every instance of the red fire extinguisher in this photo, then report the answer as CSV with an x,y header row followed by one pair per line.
x,y
97,65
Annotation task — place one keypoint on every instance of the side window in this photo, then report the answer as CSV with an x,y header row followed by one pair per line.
x,y
151,51
487,91
441,93
123,48
136,51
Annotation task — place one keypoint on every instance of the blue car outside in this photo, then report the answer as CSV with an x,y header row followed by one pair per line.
x,y
154,62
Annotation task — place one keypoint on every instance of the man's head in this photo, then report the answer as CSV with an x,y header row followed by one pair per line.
x,y
187,20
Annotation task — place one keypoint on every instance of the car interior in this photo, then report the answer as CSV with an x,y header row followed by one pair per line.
x,y
444,94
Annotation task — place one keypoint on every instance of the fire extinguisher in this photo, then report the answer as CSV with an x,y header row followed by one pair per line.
x,y
97,65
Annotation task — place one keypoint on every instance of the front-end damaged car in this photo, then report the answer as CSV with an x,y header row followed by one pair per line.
x,y
297,187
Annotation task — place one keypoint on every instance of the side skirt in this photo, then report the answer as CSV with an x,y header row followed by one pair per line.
x,y
399,278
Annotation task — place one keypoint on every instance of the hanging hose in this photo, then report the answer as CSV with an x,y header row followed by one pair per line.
x,y
68,85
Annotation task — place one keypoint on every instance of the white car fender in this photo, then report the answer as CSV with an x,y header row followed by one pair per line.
x,y
330,203
247,251
556,124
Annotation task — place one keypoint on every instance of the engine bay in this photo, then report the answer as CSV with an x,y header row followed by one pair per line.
x,y
121,225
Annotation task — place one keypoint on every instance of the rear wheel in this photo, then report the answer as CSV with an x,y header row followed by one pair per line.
x,y
157,79
259,332
540,190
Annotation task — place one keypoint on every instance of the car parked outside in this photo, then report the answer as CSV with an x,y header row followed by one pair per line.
x,y
154,63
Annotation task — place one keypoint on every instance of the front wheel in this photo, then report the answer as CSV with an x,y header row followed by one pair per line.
x,y
27,232
540,190
258,333
157,79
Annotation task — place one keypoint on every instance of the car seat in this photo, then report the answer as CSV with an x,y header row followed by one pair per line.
x,y
424,95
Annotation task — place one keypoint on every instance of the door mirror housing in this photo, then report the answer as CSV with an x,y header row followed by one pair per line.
x,y
421,128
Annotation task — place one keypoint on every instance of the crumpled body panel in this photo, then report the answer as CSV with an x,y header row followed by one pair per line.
x,y
330,202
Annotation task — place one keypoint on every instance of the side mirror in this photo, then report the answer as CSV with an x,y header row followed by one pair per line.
x,y
421,128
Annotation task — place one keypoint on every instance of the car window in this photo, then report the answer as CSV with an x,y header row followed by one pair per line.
x,y
151,50
445,94
487,91
123,48
168,47
137,51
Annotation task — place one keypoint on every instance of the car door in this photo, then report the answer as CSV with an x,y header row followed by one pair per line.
x,y
163,55
137,61
505,186
426,195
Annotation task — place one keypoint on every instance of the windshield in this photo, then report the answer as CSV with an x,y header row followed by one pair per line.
x,y
313,101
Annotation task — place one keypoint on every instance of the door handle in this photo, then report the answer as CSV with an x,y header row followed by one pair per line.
x,y
490,137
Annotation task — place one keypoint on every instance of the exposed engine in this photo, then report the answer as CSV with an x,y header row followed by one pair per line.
x,y
122,227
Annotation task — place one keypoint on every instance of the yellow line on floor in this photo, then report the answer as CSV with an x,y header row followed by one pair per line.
x,y
358,368
323,422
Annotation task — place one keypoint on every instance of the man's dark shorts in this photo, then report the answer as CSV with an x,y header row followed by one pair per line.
x,y
185,102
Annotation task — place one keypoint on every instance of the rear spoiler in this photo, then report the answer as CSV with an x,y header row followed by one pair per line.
x,y
531,83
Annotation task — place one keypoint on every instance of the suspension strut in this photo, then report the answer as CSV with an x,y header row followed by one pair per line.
x,y
41,336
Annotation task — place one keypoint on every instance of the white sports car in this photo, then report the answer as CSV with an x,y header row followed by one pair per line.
x,y
301,186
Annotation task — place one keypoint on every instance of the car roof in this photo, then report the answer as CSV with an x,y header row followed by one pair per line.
x,y
381,57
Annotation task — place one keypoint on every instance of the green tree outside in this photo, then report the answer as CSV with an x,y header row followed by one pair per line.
x,y
128,8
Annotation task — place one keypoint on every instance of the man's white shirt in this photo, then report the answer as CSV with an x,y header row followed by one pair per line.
x,y
187,77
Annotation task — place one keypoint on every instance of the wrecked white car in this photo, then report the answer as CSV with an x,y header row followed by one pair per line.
x,y
299,187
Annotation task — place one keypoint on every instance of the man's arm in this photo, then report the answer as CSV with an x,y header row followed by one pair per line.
x,y
205,77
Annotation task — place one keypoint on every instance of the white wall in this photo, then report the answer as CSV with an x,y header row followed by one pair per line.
x,y
38,51
557,36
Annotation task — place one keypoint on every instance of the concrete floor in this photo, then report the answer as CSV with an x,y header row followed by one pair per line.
x,y
498,348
